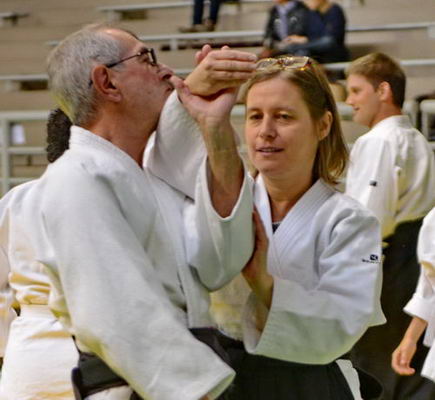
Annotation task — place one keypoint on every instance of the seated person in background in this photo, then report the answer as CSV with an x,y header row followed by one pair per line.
x,y
198,24
326,32
421,307
287,19
315,28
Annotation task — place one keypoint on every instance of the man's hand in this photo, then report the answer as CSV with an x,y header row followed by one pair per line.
x,y
402,357
220,69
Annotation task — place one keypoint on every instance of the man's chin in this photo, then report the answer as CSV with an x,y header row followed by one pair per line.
x,y
358,120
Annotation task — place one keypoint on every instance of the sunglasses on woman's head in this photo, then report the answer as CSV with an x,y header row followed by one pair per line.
x,y
284,62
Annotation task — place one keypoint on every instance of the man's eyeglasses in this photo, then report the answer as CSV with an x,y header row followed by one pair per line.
x,y
285,62
150,53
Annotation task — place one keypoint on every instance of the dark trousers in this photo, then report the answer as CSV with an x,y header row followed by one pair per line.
x,y
323,49
373,351
198,11
263,378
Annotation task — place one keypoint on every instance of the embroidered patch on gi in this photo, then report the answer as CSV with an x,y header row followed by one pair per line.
x,y
373,183
373,259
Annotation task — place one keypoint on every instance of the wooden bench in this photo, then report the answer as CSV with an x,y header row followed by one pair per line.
x,y
39,81
416,62
254,37
427,108
117,12
12,17
7,119
24,82
250,38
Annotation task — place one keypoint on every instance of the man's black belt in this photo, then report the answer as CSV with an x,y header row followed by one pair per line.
x,y
92,375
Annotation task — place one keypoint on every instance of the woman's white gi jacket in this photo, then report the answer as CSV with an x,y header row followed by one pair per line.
x,y
325,258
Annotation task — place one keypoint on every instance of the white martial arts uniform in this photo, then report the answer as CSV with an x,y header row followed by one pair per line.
x,y
325,261
37,340
392,173
7,298
337,258
101,225
422,303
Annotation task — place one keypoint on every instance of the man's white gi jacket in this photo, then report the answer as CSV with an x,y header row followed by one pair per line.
x,y
392,173
131,259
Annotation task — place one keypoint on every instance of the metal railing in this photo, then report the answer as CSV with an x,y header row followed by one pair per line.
x,y
427,108
11,79
174,38
8,119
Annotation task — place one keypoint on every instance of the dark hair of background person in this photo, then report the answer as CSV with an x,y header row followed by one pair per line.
x,y
58,133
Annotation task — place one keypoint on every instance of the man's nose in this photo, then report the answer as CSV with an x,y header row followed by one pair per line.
x,y
164,71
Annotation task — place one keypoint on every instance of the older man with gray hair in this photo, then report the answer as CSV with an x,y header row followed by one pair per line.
x,y
132,251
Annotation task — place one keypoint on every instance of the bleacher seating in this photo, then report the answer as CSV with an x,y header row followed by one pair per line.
x,y
11,17
427,108
401,31
118,11
253,37
39,81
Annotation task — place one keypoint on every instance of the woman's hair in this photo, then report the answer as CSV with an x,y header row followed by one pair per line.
x,y
58,133
332,153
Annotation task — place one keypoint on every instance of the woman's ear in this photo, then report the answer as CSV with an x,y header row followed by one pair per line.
x,y
324,125
104,83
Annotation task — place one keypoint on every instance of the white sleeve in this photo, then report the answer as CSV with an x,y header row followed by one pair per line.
x,y
316,326
7,313
117,306
422,303
426,241
219,247
372,179
178,150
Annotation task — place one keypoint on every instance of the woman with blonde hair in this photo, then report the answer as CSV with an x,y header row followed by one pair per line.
x,y
315,273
